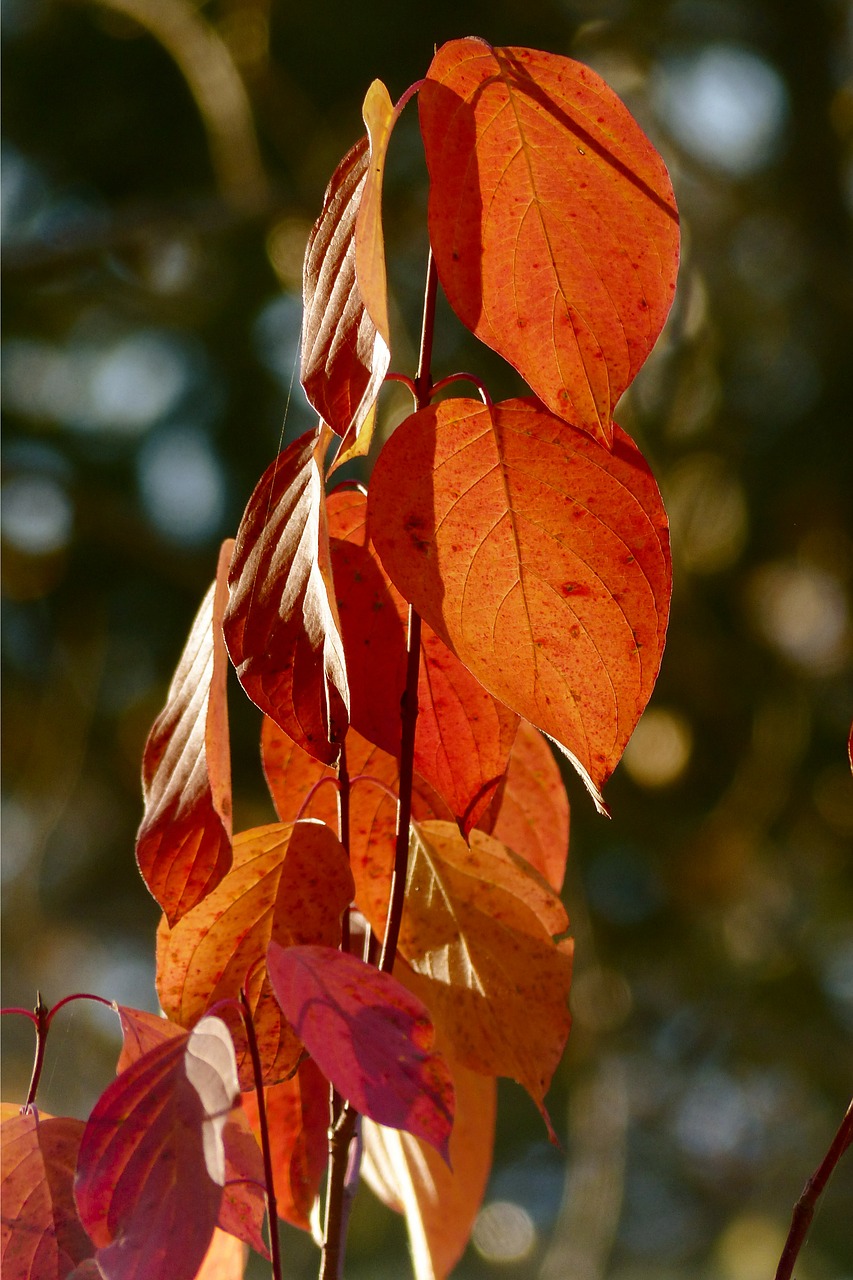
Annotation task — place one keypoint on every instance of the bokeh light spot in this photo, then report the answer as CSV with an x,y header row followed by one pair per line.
x,y
659,750
504,1232
726,105
36,515
181,485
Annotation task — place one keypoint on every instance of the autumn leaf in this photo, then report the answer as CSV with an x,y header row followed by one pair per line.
x,y
439,1203
531,810
478,932
552,221
298,1121
292,777
41,1236
225,1258
281,624
151,1164
371,1038
289,882
540,557
184,843
463,735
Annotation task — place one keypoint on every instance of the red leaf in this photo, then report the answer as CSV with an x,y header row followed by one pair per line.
x,y
532,816
41,1237
541,558
281,624
243,1206
289,882
440,1203
552,220
463,735
298,1121
184,843
151,1164
369,1036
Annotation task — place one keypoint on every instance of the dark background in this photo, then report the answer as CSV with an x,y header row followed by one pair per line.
x,y
162,163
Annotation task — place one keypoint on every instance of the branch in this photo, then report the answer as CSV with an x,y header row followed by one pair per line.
x,y
804,1209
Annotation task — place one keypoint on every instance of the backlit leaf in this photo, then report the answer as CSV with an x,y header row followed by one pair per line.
x,y
298,1120
552,220
281,624
184,843
479,927
540,557
288,882
463,735
243,1206
532,809
151,1164
225,1258
439,1203
41,1236
374,775
369,1036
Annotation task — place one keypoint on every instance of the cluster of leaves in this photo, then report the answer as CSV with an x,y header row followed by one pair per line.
x,y
505,581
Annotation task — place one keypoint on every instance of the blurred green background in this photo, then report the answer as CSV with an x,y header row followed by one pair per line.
x,y
162,163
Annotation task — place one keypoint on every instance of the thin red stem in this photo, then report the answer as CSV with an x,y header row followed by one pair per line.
x,y
804,1209
463,377
311,794
79,995
375,782
266,1151
27,1013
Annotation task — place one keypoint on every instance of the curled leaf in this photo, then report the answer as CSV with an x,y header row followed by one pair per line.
x,y
281,624
184,843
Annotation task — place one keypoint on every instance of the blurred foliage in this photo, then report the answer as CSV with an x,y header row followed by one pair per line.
x,y
162,163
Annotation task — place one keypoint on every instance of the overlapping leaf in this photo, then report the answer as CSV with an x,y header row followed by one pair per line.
x,y
289,882
552,220
292,775
539,556
225,1258
531,811
463,735
281,624
243,1207
370,1037
184,843
478,929
439,1203
298,1120
41,1236
151,1164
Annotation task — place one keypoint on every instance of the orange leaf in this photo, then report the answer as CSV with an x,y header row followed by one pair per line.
x,y
151,1165
540,557
41,1236
225,1258
281,624
532,808
289,882
552,220
291,775
463,735
184,843
298,1120
440,1203
479,926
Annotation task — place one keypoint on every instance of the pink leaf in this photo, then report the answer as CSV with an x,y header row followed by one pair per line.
x,y
369,1036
